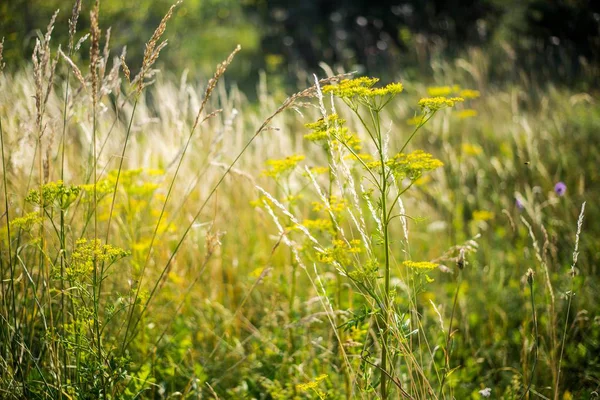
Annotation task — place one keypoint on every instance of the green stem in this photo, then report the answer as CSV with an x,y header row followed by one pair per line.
x,y
535,339
448,337
10,264
423,122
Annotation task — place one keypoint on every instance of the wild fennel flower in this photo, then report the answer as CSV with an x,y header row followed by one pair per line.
x,y
283,166
433,104
323,225
471,149
467,113
336,205
413,165
88,251
469,94
362,87
318,170
331,131
436,91
54,192
325,129
420,265
482,215
26,221
312,385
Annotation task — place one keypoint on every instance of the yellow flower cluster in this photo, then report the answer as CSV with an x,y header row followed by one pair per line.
x,y
280,167
445,91
362,87
420,265
413,165
103,187
471,149
365,157
337,205
324,129
319,170
469,94
321,224
340,252
312,385
436,91
54,192
27,221
467,113
433,104
86,252
482,215
332,130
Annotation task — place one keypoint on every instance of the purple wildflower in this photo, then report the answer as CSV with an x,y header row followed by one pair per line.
x,y
519,204
560,188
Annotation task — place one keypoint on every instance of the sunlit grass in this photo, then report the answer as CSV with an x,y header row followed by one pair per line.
x,y
171,237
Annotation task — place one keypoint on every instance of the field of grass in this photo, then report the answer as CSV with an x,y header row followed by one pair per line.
x,y
168,239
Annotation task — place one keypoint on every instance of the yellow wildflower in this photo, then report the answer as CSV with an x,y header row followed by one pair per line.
x,y
420,265
337,205
413,165
362,87
433,104
321,224
467,113
279,167
482,215
471,149
436,91
87,252
469,94
27,221
54,192
363,156
319,170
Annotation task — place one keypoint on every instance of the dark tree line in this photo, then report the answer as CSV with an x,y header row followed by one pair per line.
x,y
377,36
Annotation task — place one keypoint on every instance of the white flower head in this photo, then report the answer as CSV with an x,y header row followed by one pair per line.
x,y
485,392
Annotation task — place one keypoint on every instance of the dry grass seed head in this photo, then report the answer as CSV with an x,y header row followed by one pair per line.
x,y
76,70
1,50
153,49
125,68
94,51
73,24
43,70
212,83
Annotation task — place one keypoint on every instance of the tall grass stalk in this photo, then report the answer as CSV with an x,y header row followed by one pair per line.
x,y
530,275
570,294
221,68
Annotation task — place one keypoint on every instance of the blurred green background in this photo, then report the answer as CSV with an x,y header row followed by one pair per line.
x,y
556,40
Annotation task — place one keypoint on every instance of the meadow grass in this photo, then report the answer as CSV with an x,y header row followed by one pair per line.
x,y
167,239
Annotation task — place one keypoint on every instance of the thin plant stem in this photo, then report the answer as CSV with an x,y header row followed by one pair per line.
x,y
571,293
535,343
448,338
10,263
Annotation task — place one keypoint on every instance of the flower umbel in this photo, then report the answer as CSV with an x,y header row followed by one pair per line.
x,y
433,104
413,165
280,167
420,265
362,87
